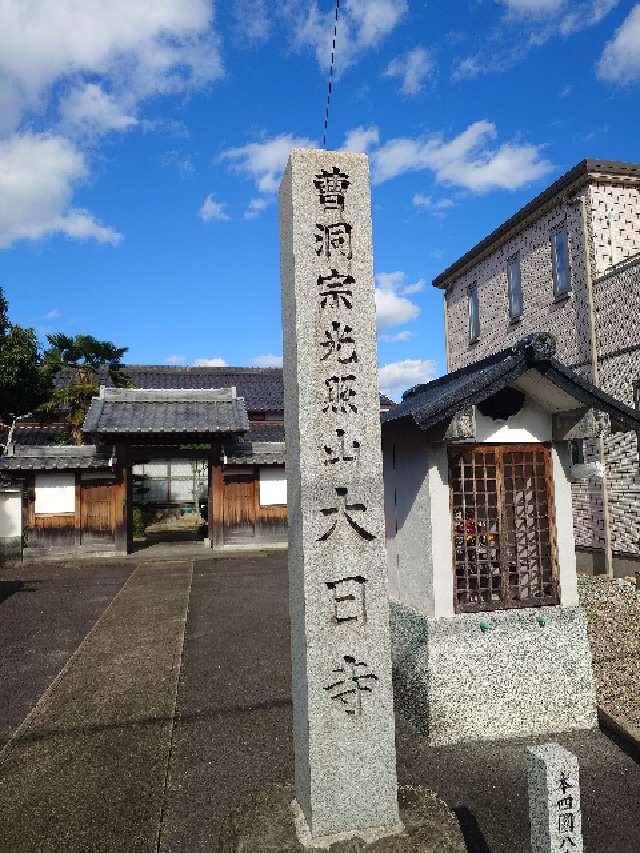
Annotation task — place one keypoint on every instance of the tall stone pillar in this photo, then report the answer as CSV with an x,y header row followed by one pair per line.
x,y
345,761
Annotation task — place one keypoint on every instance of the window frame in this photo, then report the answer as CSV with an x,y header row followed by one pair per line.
x,y
473,299
513,316
560,294
481,512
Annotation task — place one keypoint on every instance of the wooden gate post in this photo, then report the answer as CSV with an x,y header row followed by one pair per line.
x,y
215,499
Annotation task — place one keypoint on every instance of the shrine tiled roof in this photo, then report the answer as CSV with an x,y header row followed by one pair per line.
x,y
153,411
441,399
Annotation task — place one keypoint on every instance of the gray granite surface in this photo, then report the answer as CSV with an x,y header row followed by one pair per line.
x,y
508,673
342,694
554,799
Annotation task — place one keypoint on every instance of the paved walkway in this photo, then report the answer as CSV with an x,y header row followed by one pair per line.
x,y
87,768
150,733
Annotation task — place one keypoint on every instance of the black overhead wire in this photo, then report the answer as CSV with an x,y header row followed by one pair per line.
x,y
333,53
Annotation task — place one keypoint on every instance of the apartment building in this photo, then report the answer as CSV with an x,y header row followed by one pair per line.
x,y
568,263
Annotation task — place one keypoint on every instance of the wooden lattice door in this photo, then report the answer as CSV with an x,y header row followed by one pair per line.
x,y
504,548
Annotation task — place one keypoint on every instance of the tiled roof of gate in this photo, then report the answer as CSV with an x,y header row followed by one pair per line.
x,y
161,411
88,457
442,399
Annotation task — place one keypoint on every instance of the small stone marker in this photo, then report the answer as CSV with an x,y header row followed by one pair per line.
x,y
554,800
343,720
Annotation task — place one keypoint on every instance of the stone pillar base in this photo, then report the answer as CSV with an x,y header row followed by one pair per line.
x,y
324,842
494,675
269,822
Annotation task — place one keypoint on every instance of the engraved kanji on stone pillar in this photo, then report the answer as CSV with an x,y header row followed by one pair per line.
x,y
555,816
341,659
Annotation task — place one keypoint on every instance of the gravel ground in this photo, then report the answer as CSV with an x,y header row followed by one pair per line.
x,y
613,611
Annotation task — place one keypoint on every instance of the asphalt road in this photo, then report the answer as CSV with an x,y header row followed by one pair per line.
x,y
176,706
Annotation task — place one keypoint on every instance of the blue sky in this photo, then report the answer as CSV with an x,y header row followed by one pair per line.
x,y
142,142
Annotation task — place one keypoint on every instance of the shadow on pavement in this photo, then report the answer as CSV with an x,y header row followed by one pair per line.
x,y
9,588
473,836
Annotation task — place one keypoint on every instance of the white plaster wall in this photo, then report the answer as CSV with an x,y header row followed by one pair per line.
x,y
273,487
408,516
10,515
564,525
441,531
532,423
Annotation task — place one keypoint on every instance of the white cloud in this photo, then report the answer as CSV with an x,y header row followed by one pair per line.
x,y
264,161
529,24
620,60
212,209
38,173
534,8
362,25
586,15
392,310
85,66
437,207
143,48
91,109
398,376
360,139
180,161
392,306
413,68
210,362
398,338
268,360
176,359
398,281
468,68
53,314
252,19
256,206
467,160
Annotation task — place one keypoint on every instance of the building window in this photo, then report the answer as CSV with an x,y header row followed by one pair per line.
x,y
55,494
576,450
560,261
503,527
515,287
474,314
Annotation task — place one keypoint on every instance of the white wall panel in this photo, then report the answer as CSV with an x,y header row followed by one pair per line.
x,y
273,487
55,494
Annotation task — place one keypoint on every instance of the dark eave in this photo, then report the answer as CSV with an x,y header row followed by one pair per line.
x,y
596,170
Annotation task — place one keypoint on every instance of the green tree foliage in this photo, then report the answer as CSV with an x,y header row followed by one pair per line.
x,y
23,383
81,358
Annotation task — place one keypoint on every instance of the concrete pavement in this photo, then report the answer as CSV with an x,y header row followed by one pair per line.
x,y
145,743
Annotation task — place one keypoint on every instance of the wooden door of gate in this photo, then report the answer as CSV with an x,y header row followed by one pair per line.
x,y
97,513
504,540
239,506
